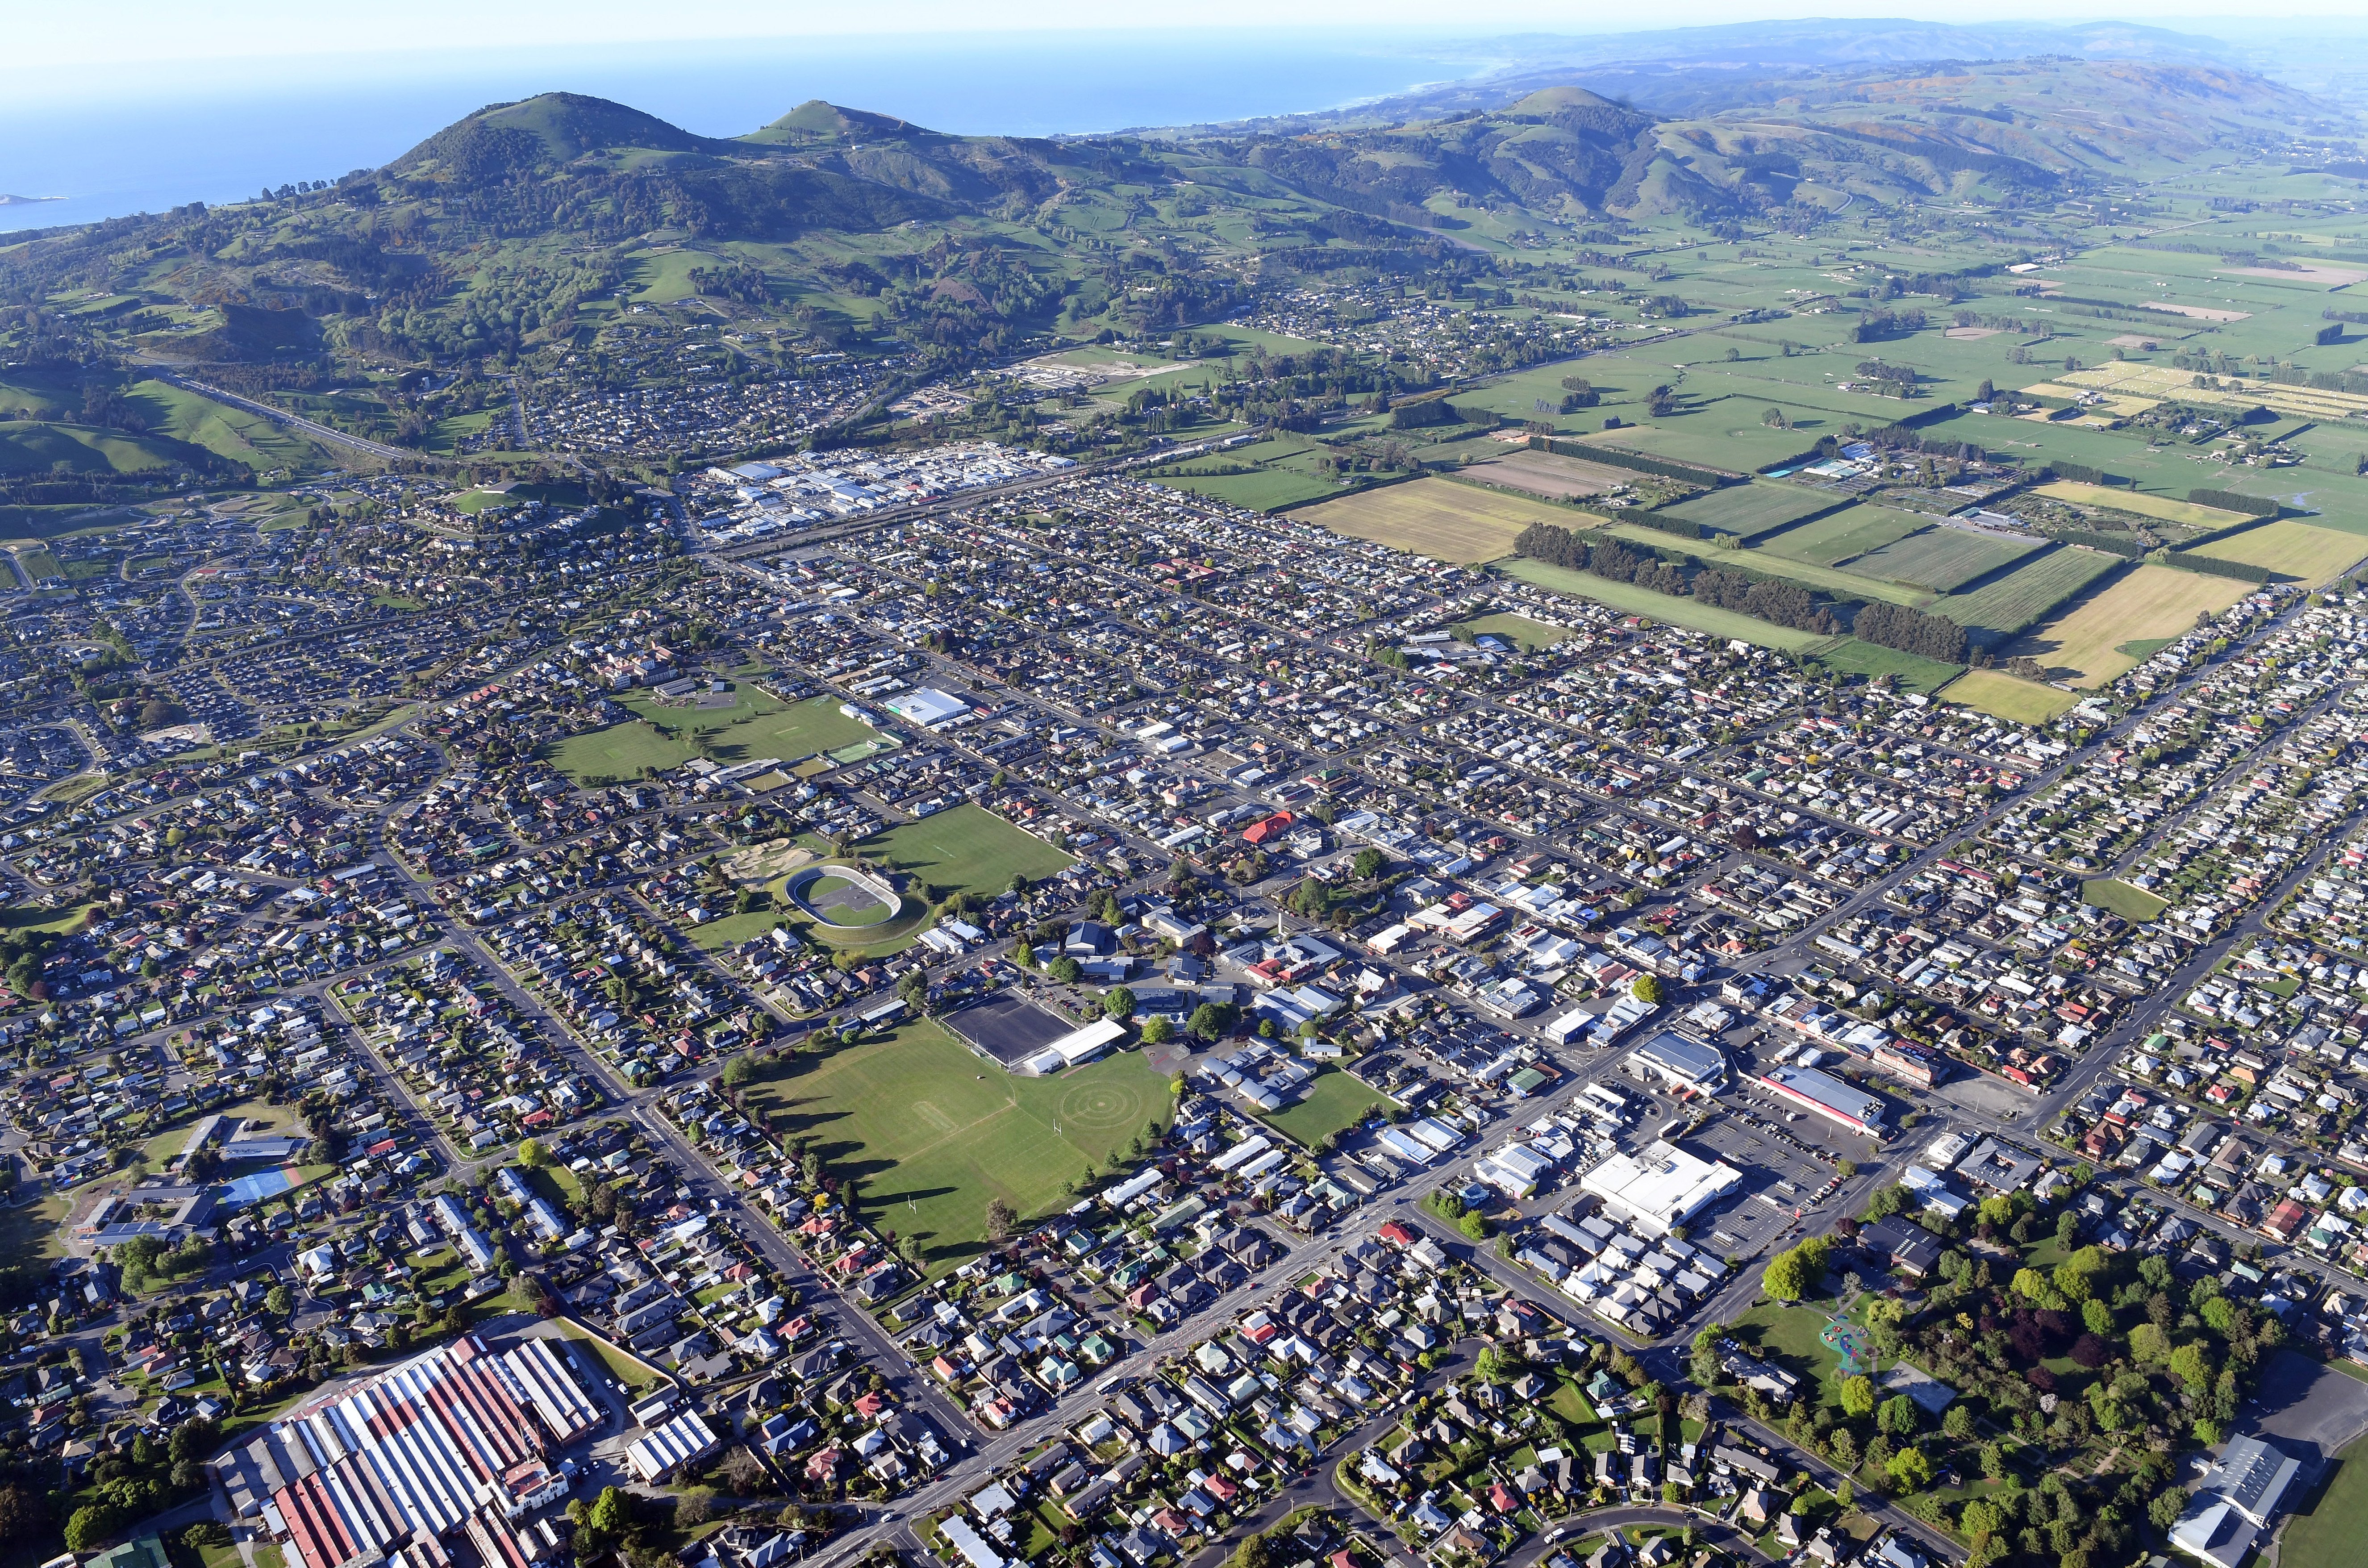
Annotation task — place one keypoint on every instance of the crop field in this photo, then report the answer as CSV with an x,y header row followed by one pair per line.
x,y
1747,511
1833,580
2025,595
2007,697
1437,517
2138,501
1942,559
1556,477
1838,535
930,1131
2295,549
2146,604
1629,600
2159,381
965,849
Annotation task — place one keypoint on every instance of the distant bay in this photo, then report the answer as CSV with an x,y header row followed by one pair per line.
x,y
219,131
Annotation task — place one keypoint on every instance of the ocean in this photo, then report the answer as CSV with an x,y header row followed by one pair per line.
x,y
118,142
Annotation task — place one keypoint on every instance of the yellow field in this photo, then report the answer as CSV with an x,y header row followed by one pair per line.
x,y
2315,555
2147,604
2120,406
2143,504
2131,379
2007,697
1439,519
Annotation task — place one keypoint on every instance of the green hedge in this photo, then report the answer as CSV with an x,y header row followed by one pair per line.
x,y
2123,545
2230,501
2081,473
1682,526
1616,457
2212,566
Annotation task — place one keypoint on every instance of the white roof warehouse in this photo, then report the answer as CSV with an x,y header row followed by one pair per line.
x,y
1828,1096
1661,1188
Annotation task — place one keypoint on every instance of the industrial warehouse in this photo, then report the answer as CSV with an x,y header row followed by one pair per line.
x,y
456,1440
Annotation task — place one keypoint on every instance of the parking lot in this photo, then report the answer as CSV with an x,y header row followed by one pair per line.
x,y
1777,1179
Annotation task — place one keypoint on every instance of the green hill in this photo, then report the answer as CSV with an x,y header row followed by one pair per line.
x,y
32,446
502,141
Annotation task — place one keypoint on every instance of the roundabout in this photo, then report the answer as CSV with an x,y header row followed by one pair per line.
x,y
843,897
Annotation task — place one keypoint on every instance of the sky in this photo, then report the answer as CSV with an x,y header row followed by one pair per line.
x,y
43,41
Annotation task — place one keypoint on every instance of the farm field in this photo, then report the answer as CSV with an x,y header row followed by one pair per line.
x,y
1712,436
1831,580
1267,490
1748,511
2007,697
1942,559
1838,535
919,1119
2297,550
2147,603
1629,599
1556,477
2143,504
1437,517
2004,606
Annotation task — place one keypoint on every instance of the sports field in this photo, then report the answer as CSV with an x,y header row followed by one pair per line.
x,y
1838,535
2006,696
2295,549
2024,596
2147,603
930,1131
1748,511
2141,504
965,849
1530,634
1942,559
1439,518
2330,1534
755,725
619,752
1912,672
1629,600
